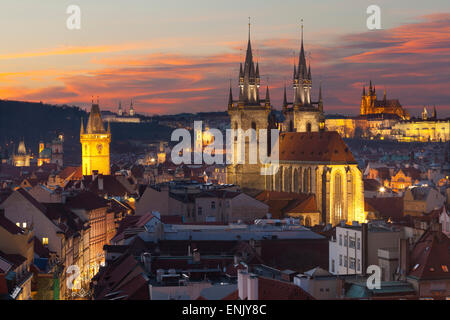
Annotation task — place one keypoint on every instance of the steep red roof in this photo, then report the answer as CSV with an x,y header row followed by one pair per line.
x,y
387,207
430,258
271,289
314,146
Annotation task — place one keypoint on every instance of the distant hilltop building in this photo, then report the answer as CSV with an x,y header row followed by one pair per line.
x,y
311,161
122,115
22,157
95,142
52,152
370,104
427,128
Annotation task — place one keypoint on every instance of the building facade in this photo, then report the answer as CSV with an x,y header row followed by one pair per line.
x,y
310,159
95,142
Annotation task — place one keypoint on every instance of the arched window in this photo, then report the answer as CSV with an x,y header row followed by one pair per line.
x,y
338,199
308,221
307,180
308,127
254,125
287,179
278,178
295,180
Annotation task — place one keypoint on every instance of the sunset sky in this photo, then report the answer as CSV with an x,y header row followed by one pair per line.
x,y
179,56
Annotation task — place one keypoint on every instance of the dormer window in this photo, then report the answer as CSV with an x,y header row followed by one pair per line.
x,y
444,268
45,241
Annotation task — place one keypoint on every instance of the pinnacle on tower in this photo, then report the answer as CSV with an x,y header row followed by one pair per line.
x,y
364,91
230,98
267,101
285,104
82,127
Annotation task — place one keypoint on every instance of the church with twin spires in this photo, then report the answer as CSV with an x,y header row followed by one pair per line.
x,y
311,160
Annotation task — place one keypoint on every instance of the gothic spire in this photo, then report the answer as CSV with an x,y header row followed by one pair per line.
x,y
320,98
267,96
230,97
364,91
82,127
301,59
285,104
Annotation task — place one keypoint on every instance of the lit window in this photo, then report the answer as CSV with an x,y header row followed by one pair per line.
x,y
24,225
444,268
18,224
415,267
45,241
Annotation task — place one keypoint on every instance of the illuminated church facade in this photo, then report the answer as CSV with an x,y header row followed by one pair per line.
x,y
311,160
95,142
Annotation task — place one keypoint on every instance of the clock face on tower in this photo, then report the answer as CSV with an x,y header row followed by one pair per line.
x,y
99,148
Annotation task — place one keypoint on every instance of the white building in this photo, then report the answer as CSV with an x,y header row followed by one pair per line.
x,y
356,247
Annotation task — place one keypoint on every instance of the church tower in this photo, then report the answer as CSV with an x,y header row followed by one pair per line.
x,y
304,115
248,112
95,142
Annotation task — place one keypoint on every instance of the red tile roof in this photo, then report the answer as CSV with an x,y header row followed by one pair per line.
x,y
271,289
314,146
430,258
387,207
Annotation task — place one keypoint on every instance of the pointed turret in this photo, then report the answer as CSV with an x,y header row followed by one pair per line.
x,y
249,79
434,113
285,103
230,98
267,101
309,71
95,122
364,91
320,104
82,127
109,127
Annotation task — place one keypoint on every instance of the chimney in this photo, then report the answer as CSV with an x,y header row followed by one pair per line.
x,y
146,259
100,182
252,286
404,258
196,256
242,284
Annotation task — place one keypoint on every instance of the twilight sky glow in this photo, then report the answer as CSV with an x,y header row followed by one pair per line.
x,y
178,56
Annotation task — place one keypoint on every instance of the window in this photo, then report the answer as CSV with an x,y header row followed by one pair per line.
x,y
358,244
345,241
345,261
24,225
444,268
199,211
352,263
228,203
332,265
213,204
340,259
45,241
352,242
340,239
359,265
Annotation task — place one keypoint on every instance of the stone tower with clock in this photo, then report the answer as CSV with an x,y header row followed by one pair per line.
x,y
95,142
